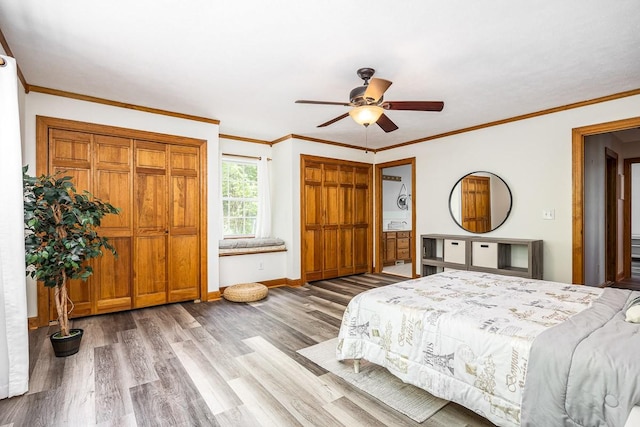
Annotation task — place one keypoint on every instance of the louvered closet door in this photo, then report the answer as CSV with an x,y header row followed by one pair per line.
x,y
151,227
184,219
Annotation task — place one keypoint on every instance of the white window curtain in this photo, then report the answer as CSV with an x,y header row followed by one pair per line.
x,y
14,338
263,221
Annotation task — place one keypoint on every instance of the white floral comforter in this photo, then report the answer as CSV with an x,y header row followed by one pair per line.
x,y
461,335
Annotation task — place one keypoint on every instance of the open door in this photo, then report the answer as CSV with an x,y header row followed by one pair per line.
x,y
611,216
578,182
631,233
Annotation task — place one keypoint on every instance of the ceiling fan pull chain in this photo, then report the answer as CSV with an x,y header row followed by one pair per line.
x,y
366,139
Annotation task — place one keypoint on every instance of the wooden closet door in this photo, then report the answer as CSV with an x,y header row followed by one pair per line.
x,y
362,251
150,224
335,218
312,220
184,220
330,230
70,152
346,215
113,182
158,183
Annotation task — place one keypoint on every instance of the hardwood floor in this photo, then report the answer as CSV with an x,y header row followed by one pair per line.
x,y
208,364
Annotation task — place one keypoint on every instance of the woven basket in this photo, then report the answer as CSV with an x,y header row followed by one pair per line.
x,y
245,292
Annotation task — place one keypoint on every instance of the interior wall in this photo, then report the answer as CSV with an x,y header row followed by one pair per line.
x,y
39,104
533,156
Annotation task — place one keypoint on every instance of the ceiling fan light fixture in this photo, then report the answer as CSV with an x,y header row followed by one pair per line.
x,y
366,114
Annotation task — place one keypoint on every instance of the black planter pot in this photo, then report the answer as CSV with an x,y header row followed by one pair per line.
x,y
66,346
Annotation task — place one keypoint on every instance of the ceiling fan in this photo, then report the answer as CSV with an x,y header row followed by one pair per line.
x,y
369,105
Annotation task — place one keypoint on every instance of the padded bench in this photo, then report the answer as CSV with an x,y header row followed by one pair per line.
x,y
250,246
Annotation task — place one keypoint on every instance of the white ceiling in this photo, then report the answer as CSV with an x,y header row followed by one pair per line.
x,y
246,62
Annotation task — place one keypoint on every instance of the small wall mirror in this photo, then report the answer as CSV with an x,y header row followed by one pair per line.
x,y
480,202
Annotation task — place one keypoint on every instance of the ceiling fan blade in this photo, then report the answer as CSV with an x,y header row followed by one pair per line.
x,y
304,101
413,105
376,89
333,120
386,124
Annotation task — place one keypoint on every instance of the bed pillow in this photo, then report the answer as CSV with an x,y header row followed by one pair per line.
x,y
633,311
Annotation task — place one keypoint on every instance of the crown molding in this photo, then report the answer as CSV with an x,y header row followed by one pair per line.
x,y
520,117
244,139
104,101
321,141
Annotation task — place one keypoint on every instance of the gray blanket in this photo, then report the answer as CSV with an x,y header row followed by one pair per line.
x,y
585,371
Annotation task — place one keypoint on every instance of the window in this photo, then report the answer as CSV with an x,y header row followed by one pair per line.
x,y
239,197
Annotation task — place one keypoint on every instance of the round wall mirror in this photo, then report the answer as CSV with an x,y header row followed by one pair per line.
x,y
480,202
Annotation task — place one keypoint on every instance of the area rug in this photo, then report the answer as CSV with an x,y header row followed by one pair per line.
x,y
375,380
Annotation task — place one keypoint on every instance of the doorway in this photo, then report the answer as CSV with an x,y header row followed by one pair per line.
x,y
632,225
395,218
611,215
578,173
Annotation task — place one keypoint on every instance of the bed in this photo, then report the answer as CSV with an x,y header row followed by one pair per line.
x,y
516,351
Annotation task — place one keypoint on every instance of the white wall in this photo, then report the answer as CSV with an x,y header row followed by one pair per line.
x,y
38,104
533,157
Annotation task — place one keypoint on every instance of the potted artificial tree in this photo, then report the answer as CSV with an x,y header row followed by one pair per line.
x,y
60,236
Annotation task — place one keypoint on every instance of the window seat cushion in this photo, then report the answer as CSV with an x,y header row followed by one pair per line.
x,y
250,246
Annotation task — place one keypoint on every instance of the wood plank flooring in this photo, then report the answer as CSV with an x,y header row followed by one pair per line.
x,y
208,364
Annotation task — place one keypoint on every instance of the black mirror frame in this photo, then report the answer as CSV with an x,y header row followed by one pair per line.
x,y
506,216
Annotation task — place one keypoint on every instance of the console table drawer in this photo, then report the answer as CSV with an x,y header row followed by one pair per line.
x,y
484,254
454,251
